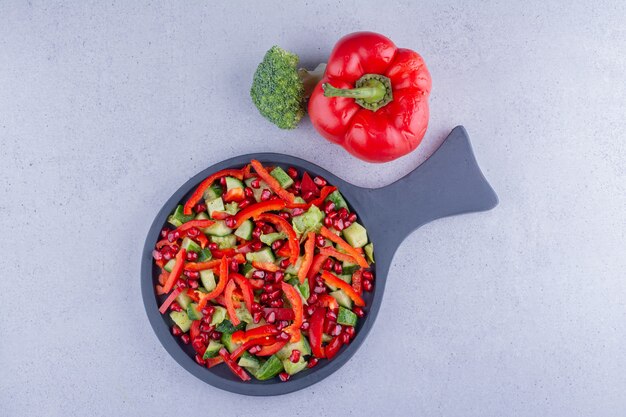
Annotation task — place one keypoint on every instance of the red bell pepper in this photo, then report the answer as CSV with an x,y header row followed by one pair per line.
x,y
202,239
282,313
266,266
284,251
199,224
257,209
316,265
237,370
284,226
246,289
318,201
194,330
308,187
236,194
316,328
162,242
176,271
271,349
337,255
333,347
386,115
241,336
345,246
211,362
199,192
309,248
221,284
168,301
272,182
222,253
163,276
220,215
194,294
344,286
201,266
294,298
357,281
228,297
263,341
329,301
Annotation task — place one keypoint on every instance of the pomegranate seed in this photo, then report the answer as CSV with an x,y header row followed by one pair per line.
x,y
193,284
248,192
338,224
328,264
206,319
284,263
282,324
328,222
283,336
157,255
256,316
205,328
269,277
254,349
200,207
244,204
197,341
368,275
285,215
343,213
199,359
292,172
267,229
207,311
176,330
276,303
332,214
256,233
256,245
319,181
328,207
205,337
352,217
185,338
319,290
312,363
167,253
297,211
216,335
338,268
346,224
172,236
279,276
265,194
223,181
295,356
276,294
230,222
345,338
284,376
175,307
256,307
164,232
191,274
312,299
367,285
296,185
336,331
305,325
349,330
191,256
320,241
255,183
310,311
277,244
193,232
212,246
330,315
271,317
308,195
359,312
264,298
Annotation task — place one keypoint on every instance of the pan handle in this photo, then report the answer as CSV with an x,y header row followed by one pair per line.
x,y
448,183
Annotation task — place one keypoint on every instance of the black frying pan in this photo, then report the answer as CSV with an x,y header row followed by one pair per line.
x,y
448,183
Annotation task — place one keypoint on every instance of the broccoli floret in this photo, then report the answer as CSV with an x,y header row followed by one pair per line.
x,y
279,90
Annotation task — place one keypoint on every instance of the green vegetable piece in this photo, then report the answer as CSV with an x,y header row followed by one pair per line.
x,y
282,177
169,265
369,252
193,312
311,220
245,230
205,255
346,317
270,238
183,300
212,349
293,368
207,277
272,367
227,327
337,199
190,246
181,319
251,363
231,208
355,235
219,315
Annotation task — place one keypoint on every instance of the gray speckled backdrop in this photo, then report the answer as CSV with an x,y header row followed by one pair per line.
x,y
106,108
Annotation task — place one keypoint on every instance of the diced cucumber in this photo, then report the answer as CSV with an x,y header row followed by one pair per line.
x,y
245,230
227,327
212,192
303,288
247,269
205,255
231,208
342,298
215,205
293,269
219,315
202,216
263,256
169,265
207,277
346,278
251,363
227,341
272,367
308,221
355,235
282,177
270,238
347,317
302,345
243,314
326,338
337,199
212,350
293,368
193,312
178,218
369,252
299,200
183,300
349,268
232,183
190,246
218,228
225,242
181,319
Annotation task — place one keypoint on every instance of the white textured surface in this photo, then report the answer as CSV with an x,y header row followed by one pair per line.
x,y
106,108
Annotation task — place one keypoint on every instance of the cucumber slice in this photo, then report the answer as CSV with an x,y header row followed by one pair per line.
x,y
244,315
169,265
232,183
299,200
264,255
272,367
342,298
346,317
202,216
178,217
190,246
219,228
227,341
247,269
193,312
231,208
270,238
369,252
245,230
212,192
251,363
302,345
306,222
303,288
205,255
355,235
282,177
337,199
215,205
212,350
293,269
293,368
227,327
349,268
219,315
207,277
181,319
183,300
225,242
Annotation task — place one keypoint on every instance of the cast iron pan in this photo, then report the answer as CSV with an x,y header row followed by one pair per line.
x,y
448,183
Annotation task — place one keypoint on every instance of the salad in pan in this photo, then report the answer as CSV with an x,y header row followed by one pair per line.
x,y
263,269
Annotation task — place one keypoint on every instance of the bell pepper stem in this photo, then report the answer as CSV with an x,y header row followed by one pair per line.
x,y
372,91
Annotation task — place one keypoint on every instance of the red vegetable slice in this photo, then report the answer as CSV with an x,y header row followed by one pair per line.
x,y
236,194
282,313
168,301
309,248
246,289
328,251
344,286
357,281
221,284
272,182
333,347
176,271
199,192
264,341
328,301
228,297
199,224
266,266
284,226
194,330
271,349
241,336
296,305
237,370
257,209
201,266
211,362
316,328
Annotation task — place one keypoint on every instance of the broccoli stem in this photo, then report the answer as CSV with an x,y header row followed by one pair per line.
x,y
372,91
311,78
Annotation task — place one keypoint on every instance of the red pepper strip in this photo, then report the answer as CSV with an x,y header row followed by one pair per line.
x,y
244,248
246,289
160,290
176,271
271,349
344,286
163,277
316,265
309,248
282,313
258,208
221,253
220,215
357,280
236,194
264,341
246,172
345,246
284,226
296,305
194,330
328,301
163,242
265,266
201,266
284,251
228,297
199,192
262,331
337,255
204,241
239,258
237,370
211,362
272,182
333,347
222,301
160,263
199,224
194,295
221,284
316,328
168,301
326,191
